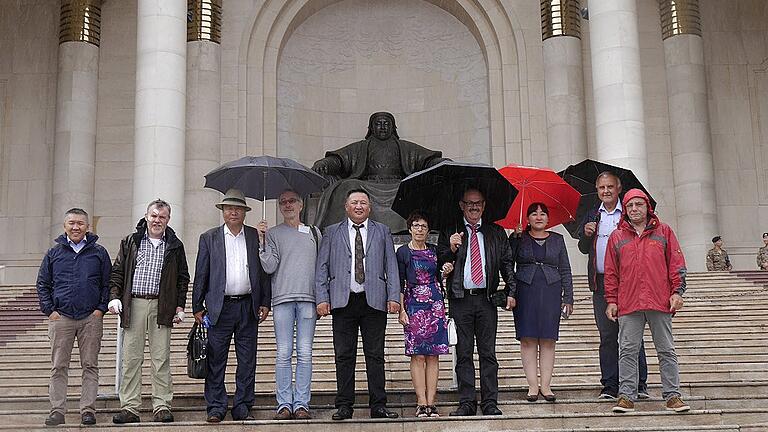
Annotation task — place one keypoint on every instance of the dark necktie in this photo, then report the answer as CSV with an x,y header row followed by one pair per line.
x,y
359,255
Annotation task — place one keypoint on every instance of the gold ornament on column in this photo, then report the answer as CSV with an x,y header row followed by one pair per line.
x,y
560,18
80,21
204,20
679,17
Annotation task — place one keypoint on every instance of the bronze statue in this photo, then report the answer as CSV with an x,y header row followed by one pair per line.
x,y
376,164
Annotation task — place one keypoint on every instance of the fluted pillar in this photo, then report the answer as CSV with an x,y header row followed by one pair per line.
x,y
563,82
76,96
161,67
692,158
617,85
203,117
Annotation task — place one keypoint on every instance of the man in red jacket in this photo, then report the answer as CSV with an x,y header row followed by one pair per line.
x,y
644,283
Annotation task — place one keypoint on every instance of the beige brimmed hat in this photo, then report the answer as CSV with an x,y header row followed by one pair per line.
x,y
233,197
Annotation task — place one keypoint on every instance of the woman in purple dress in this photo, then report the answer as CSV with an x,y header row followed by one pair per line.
x,y
423,312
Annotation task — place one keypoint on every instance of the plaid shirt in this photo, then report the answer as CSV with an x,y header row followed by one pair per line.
x,y
149,266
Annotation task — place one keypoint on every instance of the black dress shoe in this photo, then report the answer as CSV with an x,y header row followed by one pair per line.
x,y
88,418
383,412
344,412
532,398
491,410
549,398
125,416
464,410
54,419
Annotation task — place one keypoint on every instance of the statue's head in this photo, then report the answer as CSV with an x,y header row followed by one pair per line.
x,y
382,126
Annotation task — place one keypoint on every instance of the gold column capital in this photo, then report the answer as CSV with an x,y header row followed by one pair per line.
x,y
204,20
679,17
560,18
80,21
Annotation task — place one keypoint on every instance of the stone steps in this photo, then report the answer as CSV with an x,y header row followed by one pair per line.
x,y
716,419
721,337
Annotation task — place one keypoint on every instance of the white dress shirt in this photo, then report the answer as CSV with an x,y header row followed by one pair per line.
x,y
353,285
608,223
76,247
468,261
238,282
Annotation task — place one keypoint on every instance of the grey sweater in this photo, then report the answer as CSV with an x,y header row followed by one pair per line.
x,y
289,256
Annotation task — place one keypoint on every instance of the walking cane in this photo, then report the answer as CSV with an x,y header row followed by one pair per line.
x,y
118,356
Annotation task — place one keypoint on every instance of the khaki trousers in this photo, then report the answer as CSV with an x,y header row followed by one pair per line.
x,y
144,326
62,334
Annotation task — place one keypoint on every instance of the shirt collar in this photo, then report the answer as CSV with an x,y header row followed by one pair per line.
x,y
146,236
82,242
228,232
352,224
479,223
618,208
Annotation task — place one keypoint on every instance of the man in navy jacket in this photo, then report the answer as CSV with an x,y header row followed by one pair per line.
x,y
73,287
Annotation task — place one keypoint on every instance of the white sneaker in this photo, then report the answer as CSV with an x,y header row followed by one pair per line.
x,y
606,396
643,395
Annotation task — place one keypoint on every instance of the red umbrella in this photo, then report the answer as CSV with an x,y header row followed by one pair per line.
x,y
539,185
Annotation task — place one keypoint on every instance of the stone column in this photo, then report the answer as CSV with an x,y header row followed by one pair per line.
x,y
564,92
76,96
161,85
563,82
617,86
203,118
694,174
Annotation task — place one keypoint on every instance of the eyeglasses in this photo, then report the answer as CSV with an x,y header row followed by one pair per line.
x,y
474,203
418,226
288,201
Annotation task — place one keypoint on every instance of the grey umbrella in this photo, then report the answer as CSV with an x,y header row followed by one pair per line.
x,y
264,177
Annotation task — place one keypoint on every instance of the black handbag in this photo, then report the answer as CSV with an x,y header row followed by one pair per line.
x,y
197,355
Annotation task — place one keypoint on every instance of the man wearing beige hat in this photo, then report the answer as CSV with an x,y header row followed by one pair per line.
x,y
233,290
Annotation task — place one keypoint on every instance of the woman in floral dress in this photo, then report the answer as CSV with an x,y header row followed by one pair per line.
x,y
423,312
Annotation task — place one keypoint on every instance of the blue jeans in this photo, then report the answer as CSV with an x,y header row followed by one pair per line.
x,y
287,316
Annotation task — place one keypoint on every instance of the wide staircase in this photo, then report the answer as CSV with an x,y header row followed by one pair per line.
x,y
721,337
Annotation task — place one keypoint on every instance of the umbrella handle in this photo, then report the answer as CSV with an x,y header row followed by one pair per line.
x,y
264,198
522,200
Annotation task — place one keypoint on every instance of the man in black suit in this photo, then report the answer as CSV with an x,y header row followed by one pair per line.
x,y
232,288
356,280
479,252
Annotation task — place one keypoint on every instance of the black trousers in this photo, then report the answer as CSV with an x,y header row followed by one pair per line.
x,y
372,325
609,345
237,318
476,319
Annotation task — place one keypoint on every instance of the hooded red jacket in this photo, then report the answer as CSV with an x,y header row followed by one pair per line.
x,y
642,272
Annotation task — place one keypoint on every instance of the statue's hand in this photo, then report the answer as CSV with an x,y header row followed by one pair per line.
x,y
329,167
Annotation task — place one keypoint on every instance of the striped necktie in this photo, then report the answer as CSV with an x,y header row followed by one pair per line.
x,y
475,259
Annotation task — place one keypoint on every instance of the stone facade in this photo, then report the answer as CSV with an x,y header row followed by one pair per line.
x,y
298,77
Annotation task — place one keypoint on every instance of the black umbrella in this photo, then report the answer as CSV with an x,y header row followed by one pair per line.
x,y
438,189
264,177
583,177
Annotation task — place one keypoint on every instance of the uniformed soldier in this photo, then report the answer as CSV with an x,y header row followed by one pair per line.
x,y
717,257
762,254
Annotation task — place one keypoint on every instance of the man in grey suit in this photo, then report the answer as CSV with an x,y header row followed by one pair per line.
x,y
231,288
357,282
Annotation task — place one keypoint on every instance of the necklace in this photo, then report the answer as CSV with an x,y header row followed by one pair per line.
x,y
412,245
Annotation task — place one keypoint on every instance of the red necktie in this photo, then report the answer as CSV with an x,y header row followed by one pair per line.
x,y
475,258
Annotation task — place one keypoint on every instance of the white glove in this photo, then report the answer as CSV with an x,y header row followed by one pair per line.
x,y
180,316
115,306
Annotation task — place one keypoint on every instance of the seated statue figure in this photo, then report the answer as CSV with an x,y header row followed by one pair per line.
x,y
375,164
